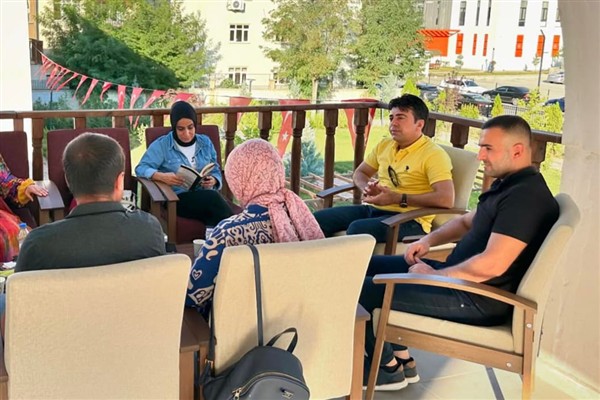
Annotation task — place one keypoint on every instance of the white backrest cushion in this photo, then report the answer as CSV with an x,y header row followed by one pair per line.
x,y
99,332
312,286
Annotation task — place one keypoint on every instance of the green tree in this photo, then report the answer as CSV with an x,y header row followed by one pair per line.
x,y
469,111
152,43
497,108
389,41
410,87
312,39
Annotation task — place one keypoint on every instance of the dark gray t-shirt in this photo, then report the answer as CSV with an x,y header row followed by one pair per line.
x,y
92,234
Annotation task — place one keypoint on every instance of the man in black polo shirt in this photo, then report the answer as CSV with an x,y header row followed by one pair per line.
x,y
498,241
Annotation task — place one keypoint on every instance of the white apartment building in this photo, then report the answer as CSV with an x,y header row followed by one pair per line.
x,y
512,33
237,26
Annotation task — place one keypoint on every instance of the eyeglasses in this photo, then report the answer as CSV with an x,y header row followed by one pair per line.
x,y
393,176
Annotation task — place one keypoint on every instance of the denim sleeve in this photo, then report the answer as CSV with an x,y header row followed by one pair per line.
x,y
151,160
207,154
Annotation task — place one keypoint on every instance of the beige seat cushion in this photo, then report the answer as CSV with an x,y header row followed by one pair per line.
x,y
494,337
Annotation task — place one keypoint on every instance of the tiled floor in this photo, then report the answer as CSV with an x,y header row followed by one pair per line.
x,y
447,378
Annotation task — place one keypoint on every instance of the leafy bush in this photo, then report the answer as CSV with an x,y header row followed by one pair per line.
x,y
497,108
410,87
469,111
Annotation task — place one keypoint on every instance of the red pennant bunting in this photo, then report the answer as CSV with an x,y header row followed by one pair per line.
x,y
83,79
153,97
350,118
121,96
54,72
105,87
92,86
46,64
59,78
75,75
285,133
135,94
182,97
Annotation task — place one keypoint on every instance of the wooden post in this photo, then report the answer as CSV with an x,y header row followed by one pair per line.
x,y
119,121
331,122
230,126
361,119
37,127
459,135
80,122
298,123
265,123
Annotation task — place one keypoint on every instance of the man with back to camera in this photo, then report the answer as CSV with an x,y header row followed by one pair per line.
x,y
98,231
413,173
498,242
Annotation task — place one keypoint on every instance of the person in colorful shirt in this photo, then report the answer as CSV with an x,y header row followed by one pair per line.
x,y
183,146
15,192
272,214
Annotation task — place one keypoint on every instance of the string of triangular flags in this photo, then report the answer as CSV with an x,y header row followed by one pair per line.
x,y
58,76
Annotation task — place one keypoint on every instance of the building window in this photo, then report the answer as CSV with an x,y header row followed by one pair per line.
x,y
459,43
238,33
485,39
519,47
463,12
489,15
557,14
238,75
555,45
477,15
437,13
540,46
522,12
544,17
474,43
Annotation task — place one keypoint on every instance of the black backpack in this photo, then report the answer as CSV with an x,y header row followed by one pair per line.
x,y
263,373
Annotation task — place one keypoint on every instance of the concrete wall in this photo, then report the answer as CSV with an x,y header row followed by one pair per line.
x,y
15,77
572,322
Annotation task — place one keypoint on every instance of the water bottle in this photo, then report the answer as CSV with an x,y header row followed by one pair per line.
x,y
23,232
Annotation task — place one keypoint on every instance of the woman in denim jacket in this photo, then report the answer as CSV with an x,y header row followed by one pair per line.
x,y
182,146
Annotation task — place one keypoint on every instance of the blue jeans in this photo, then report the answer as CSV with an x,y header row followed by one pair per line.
x,y
362,219
450,304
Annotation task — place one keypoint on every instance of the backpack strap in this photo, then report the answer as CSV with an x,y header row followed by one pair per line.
x,y
293,343
259,317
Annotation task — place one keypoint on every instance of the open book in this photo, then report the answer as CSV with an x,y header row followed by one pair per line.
x,y
193,178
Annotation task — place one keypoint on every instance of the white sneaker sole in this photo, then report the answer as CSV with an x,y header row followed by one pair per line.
x,y
413,379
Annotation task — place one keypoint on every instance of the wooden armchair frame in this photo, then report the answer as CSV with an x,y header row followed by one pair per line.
x,y
509,361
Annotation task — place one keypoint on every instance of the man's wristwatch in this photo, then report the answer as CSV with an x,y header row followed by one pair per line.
x,y
404,201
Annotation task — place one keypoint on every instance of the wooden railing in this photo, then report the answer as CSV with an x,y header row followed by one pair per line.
x,y
459,136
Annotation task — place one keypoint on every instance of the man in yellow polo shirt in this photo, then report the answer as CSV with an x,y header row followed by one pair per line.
x,y
413,172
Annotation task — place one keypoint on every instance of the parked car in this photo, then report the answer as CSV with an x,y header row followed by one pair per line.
x,y
508,94
428,92
483,103
557,77
560,102
463,85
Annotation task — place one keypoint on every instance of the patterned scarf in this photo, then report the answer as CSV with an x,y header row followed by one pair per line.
x,y
255,175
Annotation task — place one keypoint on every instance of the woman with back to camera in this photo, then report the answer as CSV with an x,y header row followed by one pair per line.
x,y
183,146
272,214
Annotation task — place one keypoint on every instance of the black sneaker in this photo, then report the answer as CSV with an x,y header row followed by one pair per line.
x,y
410,369
386,381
